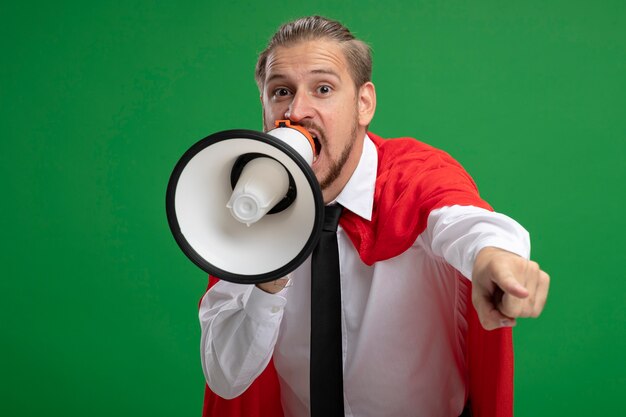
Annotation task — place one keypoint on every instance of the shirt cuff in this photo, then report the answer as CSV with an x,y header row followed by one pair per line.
x,y
263,306
516,247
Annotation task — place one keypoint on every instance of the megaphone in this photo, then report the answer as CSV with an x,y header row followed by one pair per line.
x,y
245,206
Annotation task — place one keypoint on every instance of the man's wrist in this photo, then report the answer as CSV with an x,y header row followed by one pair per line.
x,y
273,287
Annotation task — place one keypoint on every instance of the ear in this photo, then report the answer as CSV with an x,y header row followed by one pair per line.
x,y
366,103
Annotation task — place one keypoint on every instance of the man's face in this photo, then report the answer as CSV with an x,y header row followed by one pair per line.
x,y
309,84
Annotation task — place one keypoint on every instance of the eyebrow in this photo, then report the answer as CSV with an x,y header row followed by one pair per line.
x,y
279,76
325,71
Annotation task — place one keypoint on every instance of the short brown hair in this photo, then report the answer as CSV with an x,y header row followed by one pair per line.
x,y
357,53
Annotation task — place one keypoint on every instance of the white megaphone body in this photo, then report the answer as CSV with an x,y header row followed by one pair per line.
x,y
245,206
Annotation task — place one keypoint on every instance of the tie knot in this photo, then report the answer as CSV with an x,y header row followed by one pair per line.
x,y
331,217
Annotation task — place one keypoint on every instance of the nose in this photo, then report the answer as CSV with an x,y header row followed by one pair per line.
x,y
300,108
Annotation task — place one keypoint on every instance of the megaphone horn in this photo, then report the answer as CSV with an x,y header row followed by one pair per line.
x,y
245,206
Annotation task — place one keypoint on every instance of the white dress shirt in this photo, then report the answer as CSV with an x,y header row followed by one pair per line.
x,y
402,319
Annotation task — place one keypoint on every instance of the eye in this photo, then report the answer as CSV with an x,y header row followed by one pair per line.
x,y
324,89
281,92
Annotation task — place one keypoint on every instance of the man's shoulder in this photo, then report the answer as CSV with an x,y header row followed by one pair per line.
x,y
409,150
400,142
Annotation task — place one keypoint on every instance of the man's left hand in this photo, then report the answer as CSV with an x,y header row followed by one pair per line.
x,y
507,286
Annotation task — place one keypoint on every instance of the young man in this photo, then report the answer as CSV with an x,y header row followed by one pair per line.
x,y
412,235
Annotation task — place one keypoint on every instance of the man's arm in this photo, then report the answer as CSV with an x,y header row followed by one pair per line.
x,y
239,328
492,250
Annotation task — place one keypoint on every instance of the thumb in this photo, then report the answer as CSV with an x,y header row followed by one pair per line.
x,y
511,303
509,284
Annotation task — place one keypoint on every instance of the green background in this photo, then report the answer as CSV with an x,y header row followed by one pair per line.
x,y
98,102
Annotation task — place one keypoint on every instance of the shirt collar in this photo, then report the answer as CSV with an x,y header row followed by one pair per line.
x,y
358,194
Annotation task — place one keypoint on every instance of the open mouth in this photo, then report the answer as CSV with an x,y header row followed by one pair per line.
x,y
318,147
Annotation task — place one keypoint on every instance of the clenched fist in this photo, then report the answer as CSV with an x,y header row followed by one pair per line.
x,y
507,286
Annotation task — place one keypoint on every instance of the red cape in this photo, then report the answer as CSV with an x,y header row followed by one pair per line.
x,y
412,180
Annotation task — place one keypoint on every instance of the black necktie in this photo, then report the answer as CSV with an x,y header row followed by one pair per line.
x,y
326,352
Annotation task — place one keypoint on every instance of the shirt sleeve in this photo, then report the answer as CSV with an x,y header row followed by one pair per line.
x,y
458,233
239,327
